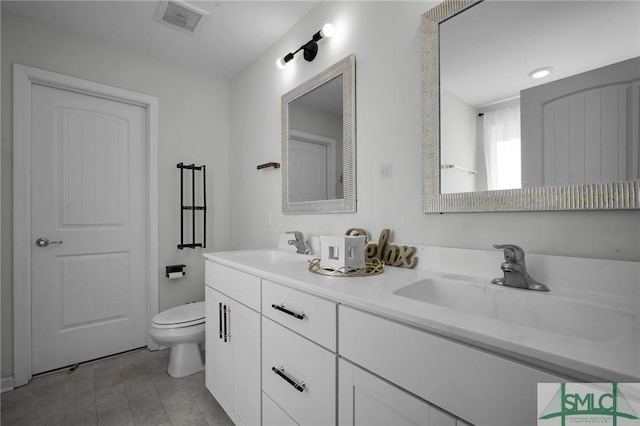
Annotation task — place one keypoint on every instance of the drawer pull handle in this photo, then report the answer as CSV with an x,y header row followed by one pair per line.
x,y
227,325
281,308
280,372
225,322
220,320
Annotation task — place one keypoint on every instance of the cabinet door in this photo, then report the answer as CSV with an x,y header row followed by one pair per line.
x,y
233,357
364,399
272,415
219,354
245,339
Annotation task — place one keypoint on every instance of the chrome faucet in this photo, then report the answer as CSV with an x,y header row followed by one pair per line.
x,y
515,270
299,242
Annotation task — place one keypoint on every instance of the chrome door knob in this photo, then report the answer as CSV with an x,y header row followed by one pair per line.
x,y
43,242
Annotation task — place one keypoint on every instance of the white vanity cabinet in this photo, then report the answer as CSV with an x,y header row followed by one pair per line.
x,y
233,341
290,349
474,385
298,357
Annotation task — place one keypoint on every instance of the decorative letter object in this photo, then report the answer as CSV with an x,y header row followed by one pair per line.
x,y
391,254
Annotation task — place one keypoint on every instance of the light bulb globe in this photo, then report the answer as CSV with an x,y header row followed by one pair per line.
x,y
327,30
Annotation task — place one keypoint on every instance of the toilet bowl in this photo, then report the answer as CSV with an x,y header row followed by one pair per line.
x,y
182,329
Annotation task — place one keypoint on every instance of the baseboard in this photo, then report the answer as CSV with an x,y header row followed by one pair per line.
x,y
6,384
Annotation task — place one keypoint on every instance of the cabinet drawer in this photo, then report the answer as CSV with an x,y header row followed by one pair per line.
x,y
311,316
468,382
243,287
313,403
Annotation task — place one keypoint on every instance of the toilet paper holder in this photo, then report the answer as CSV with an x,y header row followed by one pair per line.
x,y
172,269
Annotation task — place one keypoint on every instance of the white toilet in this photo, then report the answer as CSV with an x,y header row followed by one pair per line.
x,y
182,329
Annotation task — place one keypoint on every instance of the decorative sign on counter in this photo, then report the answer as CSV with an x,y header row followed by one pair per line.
x,y
390,254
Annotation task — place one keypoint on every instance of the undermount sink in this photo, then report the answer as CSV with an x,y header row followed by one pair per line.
x,y
270,256
591,318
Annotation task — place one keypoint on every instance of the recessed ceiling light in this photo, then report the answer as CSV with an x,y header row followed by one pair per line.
x,y
540,72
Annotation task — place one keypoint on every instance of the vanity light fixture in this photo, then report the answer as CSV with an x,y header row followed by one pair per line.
x,y
310,48
540,72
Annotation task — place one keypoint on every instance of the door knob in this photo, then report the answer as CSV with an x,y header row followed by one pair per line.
x,y
43,242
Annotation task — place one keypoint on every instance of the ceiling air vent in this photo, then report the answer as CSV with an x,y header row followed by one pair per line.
x,y
182,15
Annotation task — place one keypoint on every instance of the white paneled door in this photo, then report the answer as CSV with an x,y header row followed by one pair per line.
x,y
307,171
88,227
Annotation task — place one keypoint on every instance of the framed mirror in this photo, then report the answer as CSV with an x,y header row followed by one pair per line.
x,y
319,143
577,129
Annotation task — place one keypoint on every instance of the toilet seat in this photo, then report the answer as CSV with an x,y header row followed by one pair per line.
x,y
180,316
183,330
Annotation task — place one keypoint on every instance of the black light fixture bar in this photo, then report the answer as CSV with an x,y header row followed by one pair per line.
x,y
310,48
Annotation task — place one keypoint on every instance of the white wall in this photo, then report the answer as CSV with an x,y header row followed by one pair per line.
x,y
385,37
193,127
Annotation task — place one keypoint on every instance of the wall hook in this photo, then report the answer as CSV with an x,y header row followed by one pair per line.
x,y
271,164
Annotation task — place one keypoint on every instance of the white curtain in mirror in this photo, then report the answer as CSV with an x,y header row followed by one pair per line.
x,y
501,132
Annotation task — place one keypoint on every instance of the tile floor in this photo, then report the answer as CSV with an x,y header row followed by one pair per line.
x,y
128,389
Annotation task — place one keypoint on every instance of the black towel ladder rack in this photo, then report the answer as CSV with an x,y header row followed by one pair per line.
x,y
193,208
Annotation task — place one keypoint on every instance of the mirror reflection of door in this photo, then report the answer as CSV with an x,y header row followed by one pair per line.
x,y
580,130
315,146
308,159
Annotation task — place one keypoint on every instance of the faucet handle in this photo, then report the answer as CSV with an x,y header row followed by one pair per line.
x,y
299,242
515,269
512,252
297,234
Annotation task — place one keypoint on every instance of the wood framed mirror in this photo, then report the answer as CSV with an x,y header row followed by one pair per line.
x,y
319,143
562,181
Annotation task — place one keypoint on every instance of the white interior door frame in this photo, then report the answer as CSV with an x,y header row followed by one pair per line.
x,y
23,79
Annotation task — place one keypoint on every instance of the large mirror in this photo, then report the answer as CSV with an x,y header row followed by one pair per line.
x,y
318,143
496,139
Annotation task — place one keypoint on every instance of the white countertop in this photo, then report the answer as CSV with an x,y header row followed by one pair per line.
x,y
616,360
